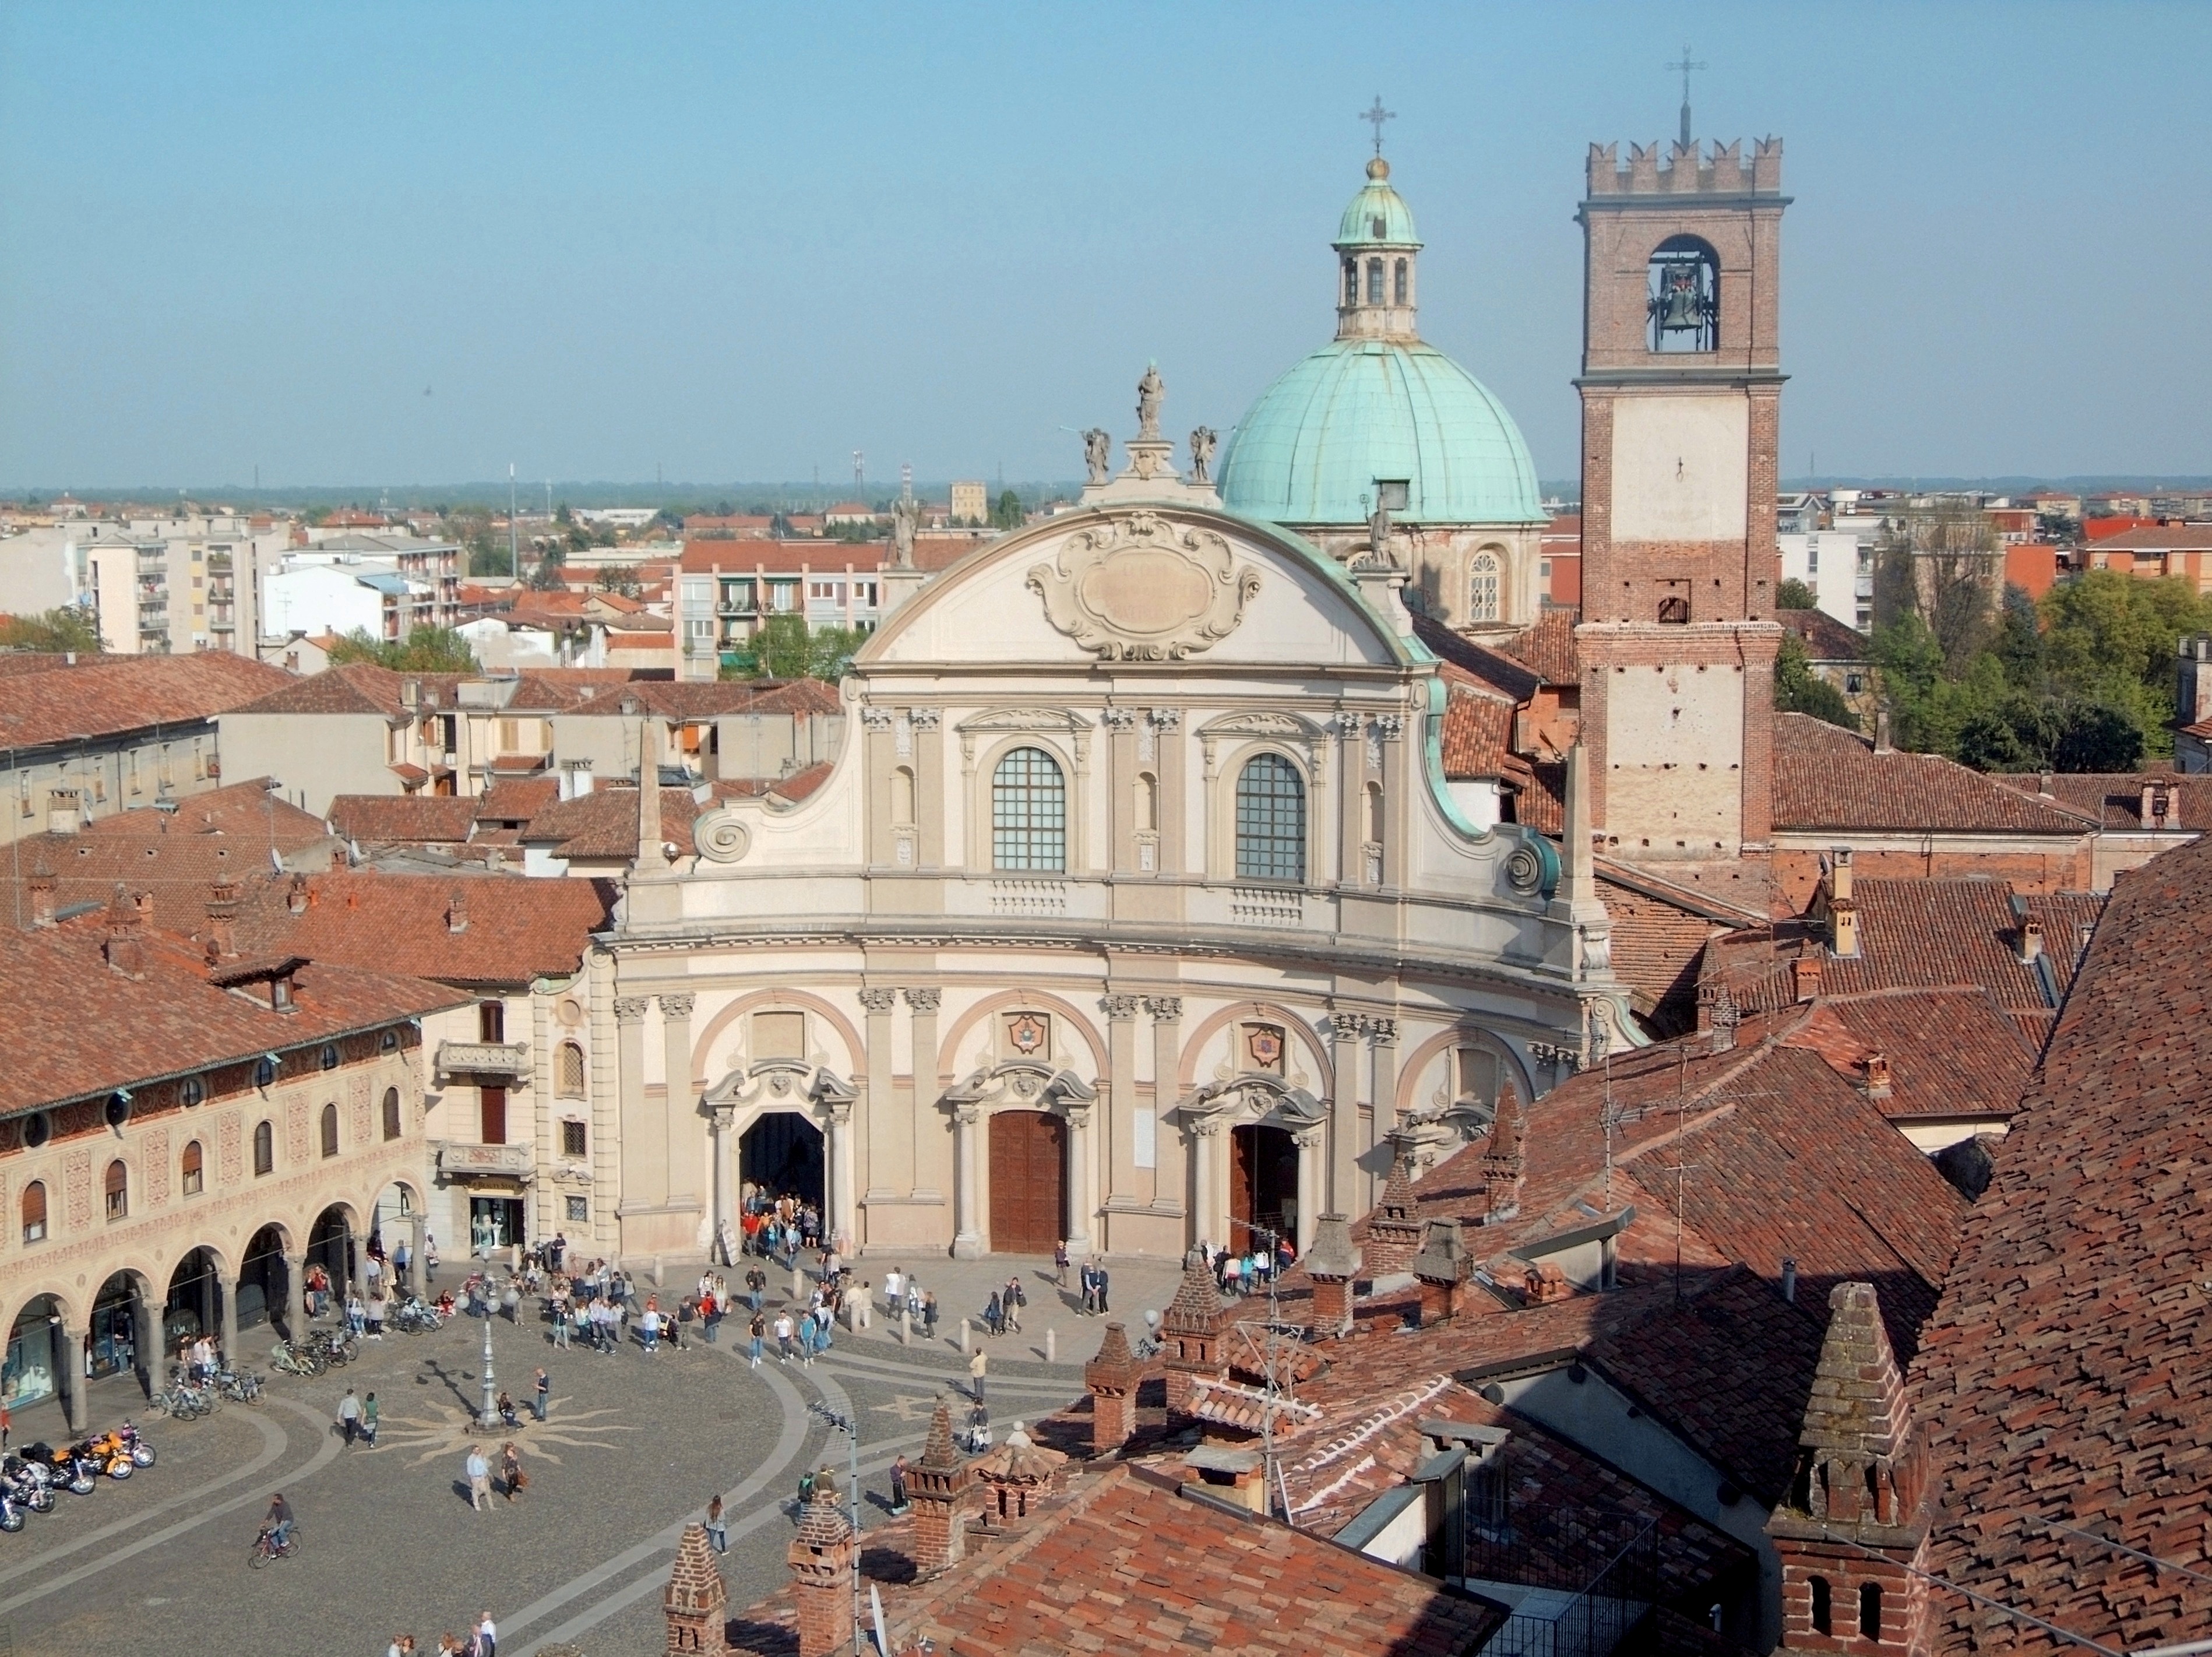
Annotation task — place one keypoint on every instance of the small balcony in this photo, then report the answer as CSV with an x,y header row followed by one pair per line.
x,y
499,1060
515,1161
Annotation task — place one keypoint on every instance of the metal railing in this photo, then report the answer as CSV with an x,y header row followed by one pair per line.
x,y
1597,1576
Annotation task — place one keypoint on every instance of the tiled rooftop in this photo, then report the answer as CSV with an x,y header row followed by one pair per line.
x,y
104,696
1827,777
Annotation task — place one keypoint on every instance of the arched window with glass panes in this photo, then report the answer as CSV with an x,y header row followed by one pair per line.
x,y
1271,820
1485,587
1029,813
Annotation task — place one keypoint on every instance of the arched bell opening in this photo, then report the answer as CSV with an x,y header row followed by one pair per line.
x,y
783,1153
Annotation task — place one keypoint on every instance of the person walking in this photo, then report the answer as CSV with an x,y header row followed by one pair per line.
x,y
1015,1300
993,1314
757,1330
403,1645
929,1316
479,1473
541,1394
1101,1288
898,1484
717,1531
368,1421
756,1286
976,1365
487,1635
894,1287
510,1471
1059,1263
348,1415
784,1330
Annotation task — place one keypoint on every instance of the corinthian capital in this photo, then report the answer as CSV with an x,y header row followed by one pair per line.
x,y
630,1010
1118,1008
1345,1027
677,1006
878,1000
1164,1009
924,1000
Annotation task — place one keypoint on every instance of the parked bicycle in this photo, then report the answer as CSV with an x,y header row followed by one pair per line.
x,y
241,1386
416,1317
184,1403
304,1359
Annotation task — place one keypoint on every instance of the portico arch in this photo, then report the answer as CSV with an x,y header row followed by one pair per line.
x,y
814,1093
1066,1015
702,1046
1296,1029
1035,1090
38,1355
1253,1099
197,1298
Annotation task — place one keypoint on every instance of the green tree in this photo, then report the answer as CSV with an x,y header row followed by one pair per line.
x,y
1007,513
2095,738
426,650
1799,690
786,648
1793,594
2019,643
67,629
621,581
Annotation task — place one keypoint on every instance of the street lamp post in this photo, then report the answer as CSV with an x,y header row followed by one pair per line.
x,y
488,1414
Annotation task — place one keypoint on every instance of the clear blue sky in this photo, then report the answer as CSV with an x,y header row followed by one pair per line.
x,y
739,241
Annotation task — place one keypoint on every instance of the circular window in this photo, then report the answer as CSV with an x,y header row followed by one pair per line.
x,y
330,1056
264,1071
37,1129
193,1090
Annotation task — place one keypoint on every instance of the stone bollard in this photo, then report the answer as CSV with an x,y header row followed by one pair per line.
x,y
656,1271
1052,1346
906,1327
964,1334
798,1279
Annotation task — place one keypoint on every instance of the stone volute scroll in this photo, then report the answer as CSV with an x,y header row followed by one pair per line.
x,y
1142,588
719,835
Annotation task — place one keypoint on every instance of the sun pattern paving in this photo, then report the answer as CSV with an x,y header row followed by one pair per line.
x,y
451,1432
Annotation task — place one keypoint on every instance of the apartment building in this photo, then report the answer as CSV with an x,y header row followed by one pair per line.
x,y
158,586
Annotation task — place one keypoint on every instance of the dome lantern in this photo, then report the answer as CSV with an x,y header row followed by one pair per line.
x,y
1377,248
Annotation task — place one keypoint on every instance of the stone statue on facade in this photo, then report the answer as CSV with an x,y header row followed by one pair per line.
x,y
1201,455
1378,535
906,518
1149,390
1097,453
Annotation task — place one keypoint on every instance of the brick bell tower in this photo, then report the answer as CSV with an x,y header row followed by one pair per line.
x,y
1681,387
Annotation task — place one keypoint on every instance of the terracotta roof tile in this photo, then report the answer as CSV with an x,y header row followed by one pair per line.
x,y
1826,638
103,696
2063,1377
383,820
1511,679
517,929
1548,649
251,810
2114,799
1827,777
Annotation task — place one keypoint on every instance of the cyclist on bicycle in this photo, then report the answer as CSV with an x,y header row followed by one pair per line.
x,y
277,1527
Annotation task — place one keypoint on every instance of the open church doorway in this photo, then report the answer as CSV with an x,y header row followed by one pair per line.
x,y
1263,1184
781,1154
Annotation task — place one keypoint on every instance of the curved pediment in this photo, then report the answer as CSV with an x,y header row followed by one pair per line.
x,y
1140,583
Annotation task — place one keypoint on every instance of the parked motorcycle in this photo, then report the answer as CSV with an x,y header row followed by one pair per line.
x,y
11,1515
142,1452
22,1484
64,1469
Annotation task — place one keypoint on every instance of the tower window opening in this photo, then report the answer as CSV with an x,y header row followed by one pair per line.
x,y
1870,1611
1374,282
1351,282
1685,296
1823,1616
1399,279
1482,596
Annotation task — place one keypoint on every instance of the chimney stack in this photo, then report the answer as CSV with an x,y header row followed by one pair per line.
x,y
1191,1334
1877,1075
126,949
1882,731
821,1560
1505,1160
1112,1378
456,911
296,899
1843,930
1789,1278
1839,874
695,1599
63,814
1805,977
1332,1263
2031,942
936,1489
42,895
1443,1268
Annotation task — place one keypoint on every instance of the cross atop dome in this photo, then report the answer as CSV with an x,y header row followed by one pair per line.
x,y
1377,116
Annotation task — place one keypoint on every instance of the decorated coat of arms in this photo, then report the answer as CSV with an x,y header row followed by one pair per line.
x,y
1265,1043
1025,1034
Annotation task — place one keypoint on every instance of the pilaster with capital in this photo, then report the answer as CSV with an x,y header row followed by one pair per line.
x,y
1209,1184
1166,1176
934,1170
1344,1146
1383,1036
680,1136
967,1232
842,1183
1313,1154
645,1177
1081,1204
1123,1181
886,1148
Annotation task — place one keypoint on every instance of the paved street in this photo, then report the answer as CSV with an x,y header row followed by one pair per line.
x,y
634,1448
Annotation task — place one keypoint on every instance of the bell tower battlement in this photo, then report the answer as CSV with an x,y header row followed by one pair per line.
x,y
1686,170
1680,386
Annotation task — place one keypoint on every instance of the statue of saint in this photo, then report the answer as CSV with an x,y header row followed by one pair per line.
x,y
1097,453
906,518
1378,535
1201,455
1149,390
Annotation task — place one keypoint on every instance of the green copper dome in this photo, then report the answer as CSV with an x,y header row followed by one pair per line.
x,y
1378,216
1309,450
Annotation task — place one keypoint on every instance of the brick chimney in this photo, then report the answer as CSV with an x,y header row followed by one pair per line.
x,y
296,899
695,1599
1332,1263
42,895
126,949
2157,807
457,911
1443,1269
1805,975
223,921
2031,941
821,1560
937,1487
1015,1477
1393,1230
1190,1332
1112,1378
1852,1531
1876,1067
1545,1281
1504,1160
1882,731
